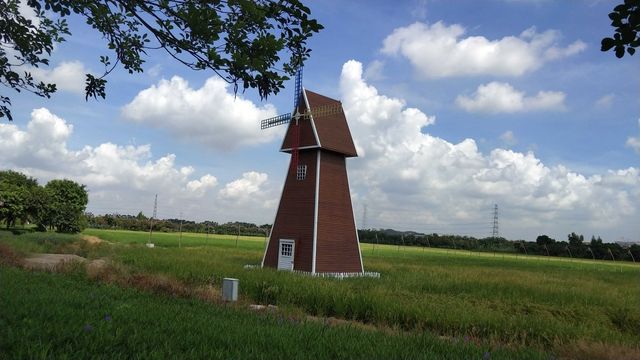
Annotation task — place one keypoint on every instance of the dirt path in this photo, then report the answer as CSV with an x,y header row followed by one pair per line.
x,y
51,262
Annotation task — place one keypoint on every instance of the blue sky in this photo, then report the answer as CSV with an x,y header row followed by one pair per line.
x,y
454,106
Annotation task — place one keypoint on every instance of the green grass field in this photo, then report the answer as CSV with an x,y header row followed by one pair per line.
x,y
520,307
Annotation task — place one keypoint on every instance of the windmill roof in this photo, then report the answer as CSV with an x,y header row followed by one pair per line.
x,y
329,131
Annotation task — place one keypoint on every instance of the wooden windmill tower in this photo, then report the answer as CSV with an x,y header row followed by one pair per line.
x,y
314,229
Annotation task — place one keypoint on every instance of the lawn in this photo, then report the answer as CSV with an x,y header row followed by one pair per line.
x,y
524,304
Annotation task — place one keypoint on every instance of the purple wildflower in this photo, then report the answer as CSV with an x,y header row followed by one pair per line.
x,y
107,317
486,356
88,327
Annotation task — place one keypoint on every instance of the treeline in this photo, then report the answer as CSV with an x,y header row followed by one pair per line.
x,y
575,246
141,222
410,238
59,205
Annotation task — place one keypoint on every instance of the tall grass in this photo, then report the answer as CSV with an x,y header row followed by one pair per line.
x,y
38,242
45,315
505,300
498,300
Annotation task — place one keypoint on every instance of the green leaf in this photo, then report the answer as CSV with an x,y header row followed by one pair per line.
x,y
607,44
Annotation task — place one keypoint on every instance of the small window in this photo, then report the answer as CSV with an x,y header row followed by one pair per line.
x,y
302,172
286,249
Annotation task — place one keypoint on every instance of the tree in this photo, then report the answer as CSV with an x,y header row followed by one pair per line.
x,y
575,239
141,217
40,208
68,201
625,18
240,40
544,240
16,197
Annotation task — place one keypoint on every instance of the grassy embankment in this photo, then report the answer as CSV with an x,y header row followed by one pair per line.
x,y
527,304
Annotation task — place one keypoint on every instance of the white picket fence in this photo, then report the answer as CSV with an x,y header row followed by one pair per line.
x,y
335,275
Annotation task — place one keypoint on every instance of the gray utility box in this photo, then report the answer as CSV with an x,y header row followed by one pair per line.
x,y
230,289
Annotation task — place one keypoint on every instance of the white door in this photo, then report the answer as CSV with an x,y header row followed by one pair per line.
x,y
285,254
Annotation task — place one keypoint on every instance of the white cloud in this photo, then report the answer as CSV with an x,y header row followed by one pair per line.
x,y
252,194
68,76
498,97
117,177
155,70
554,53
605,101
211,115
509,138
634,142
413,180
201,185
420,9
408,178
374,71
42,145
244,188
439,50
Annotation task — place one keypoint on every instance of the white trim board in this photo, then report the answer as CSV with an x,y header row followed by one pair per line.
x,y
315,212
313,122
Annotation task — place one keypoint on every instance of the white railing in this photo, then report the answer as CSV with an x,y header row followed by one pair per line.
x,y
335,275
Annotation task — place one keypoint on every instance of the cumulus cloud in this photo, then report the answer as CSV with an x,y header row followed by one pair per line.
x,y
250,194
42,145
201,185
605,101
244,188
419,10
68,76
498,97
211,115
374,70
118,177
413,180
509,138
634,142
155,70
439,50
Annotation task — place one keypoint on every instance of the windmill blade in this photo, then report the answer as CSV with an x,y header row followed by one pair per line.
x,y
298,89
325,110
275,121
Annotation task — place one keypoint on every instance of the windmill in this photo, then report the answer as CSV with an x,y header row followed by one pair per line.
x,y
314,228
294,119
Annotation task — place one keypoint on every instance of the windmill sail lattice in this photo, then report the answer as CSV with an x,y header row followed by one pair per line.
x,y
296,117
316,112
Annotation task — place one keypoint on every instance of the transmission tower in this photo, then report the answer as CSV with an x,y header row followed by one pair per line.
x,y
364,217
494,233
155,213
180,240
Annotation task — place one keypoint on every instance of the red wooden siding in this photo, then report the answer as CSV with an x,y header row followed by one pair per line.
x,y
307,137
295,216
333,130
337,249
